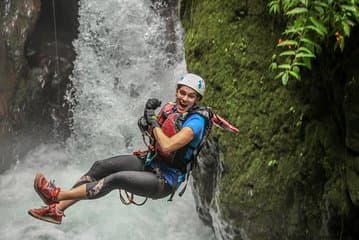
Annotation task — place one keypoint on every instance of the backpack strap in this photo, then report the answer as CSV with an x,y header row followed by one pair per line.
x,y
189,169
207,114
174,187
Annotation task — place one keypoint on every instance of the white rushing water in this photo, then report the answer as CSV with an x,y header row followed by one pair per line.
x,y
121,61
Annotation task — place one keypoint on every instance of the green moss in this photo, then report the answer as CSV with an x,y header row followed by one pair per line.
x,y
231,48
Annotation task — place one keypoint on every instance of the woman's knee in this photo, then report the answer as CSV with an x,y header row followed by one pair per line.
x,y
97,164
97,169
84,179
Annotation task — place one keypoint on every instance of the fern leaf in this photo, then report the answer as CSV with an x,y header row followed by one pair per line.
x,y
304,2
310,42
307,61
320,10
287,53
350,8
296,11
346,29
302,64
304,49
294,74
305,55
341,44
321,4
287,42
293,30
273,66
285,78
279,75
285,66
319,25
315,29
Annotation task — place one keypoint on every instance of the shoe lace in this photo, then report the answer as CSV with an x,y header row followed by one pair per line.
x,y
57,211
51,185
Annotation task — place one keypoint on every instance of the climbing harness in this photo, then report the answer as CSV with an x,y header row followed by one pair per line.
x,y
147,155
151,152
130,199
171,122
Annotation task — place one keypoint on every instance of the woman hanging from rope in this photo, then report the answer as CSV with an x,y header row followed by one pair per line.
x,y
176,135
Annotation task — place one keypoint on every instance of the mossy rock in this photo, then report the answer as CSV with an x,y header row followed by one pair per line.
x,y
285,166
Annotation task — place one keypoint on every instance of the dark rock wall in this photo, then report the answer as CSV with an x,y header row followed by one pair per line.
x,y
34,71
17,19
351,90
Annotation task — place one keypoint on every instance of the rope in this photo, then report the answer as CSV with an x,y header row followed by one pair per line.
x,y
57,66
130,199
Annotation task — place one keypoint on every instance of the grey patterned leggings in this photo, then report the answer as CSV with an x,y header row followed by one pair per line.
x,y
126,172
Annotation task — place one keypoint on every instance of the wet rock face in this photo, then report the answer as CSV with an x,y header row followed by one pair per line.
x,y
33,54
204,181
17,19
4,82
35,64
49,51
35,37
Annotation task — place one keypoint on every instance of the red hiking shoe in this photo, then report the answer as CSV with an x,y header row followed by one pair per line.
x,y
46,190
47,213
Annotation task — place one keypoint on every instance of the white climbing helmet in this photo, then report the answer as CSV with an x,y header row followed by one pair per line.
x,y
193,81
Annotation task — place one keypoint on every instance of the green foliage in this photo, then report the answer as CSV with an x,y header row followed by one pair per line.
x,y
272,163
310,24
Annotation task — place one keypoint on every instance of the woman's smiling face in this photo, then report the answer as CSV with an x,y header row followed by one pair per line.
x,y
186,98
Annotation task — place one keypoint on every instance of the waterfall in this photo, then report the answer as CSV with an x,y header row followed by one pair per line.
x,y
125,55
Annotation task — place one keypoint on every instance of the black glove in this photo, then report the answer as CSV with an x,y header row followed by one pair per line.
x,y
151,118
150,114
152,103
